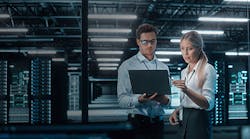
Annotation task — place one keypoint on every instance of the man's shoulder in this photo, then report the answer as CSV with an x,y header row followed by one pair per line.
x,y
161,64
128,62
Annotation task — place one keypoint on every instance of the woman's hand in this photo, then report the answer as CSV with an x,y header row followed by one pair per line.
x,y
197,98
180,84
173,119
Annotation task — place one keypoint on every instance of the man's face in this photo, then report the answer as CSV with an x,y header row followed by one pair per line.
x,y
147,43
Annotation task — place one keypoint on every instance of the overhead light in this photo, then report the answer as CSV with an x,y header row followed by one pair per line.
x,y
222,19
73,68
12,66
108,30
42,52
109,40
58,59
237,53
108,52
107,68
108,59
231,53
244,53
74,64
9,51
77,51
27,40
175,40
4,16
164,59
206,32
168,52
230,66
14,30
108,65
39,39
111,16
237,0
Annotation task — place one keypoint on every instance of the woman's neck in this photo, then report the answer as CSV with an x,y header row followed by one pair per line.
x,y
191,66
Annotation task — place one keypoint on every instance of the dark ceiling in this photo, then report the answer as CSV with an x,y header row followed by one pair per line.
x,y
56,25
170,17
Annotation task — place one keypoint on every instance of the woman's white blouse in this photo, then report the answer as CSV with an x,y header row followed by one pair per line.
x,y
208,89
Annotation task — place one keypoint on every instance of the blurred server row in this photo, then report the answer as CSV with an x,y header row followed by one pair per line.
x,y
218,116
3,91
33,91
39,91
231,100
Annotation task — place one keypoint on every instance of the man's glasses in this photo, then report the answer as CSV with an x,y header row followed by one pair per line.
x,y
146,42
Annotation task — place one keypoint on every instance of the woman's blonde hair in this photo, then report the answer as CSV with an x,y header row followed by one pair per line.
x,y
197,42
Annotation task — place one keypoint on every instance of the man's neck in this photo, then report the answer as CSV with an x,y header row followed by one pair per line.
x,y
149,57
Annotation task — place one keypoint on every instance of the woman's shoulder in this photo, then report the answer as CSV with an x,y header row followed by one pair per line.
x,y
184,71
210,68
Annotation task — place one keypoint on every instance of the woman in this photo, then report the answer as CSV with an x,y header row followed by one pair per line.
x,y
197,86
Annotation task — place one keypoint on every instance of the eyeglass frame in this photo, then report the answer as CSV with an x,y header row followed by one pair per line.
x,y
152,42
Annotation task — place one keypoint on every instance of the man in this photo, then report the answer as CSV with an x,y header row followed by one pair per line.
x,y
146,111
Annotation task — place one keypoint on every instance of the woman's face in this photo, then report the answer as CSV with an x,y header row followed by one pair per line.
x,y
189,53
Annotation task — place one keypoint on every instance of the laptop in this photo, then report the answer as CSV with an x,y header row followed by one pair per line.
x,y
150,81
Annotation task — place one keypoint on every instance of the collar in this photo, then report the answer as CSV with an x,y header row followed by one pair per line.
x,y
142,58
195,67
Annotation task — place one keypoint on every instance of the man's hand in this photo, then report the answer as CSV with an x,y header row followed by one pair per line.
x,y
144,98
162,99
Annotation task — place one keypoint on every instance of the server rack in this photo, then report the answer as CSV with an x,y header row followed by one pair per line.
x,y
33,90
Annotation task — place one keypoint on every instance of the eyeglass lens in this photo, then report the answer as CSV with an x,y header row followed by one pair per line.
x,y
146,42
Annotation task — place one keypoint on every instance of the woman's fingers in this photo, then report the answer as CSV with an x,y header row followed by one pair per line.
x,y
181,86
178,81
173,119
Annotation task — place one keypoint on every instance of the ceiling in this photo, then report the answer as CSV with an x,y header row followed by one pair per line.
x,y
56,25
53,25
170,17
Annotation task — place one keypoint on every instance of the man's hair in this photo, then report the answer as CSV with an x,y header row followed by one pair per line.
x,y
145,28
